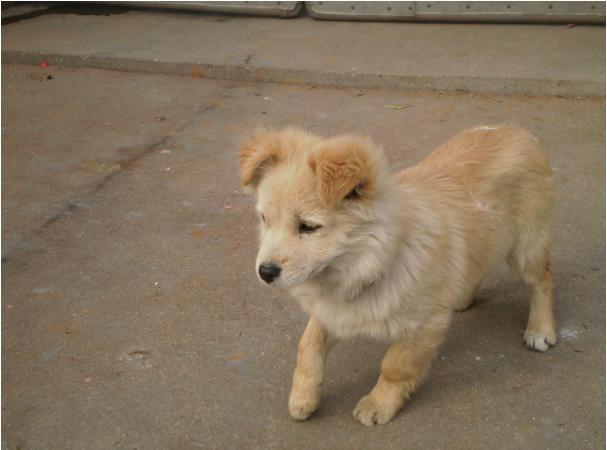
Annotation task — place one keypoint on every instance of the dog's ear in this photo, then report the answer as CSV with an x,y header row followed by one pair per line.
x,y
257,154
346,168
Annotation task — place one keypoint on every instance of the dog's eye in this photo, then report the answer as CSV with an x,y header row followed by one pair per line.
x,y
306,228
354,194
263,218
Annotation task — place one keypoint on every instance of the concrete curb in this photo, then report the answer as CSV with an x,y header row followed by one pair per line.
x,y
247,73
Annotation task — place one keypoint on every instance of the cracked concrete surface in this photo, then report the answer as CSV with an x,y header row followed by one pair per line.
x,y
131,316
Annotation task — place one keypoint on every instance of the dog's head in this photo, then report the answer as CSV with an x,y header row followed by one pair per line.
x,y
315,199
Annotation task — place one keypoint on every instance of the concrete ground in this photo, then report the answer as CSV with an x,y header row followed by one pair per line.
x,y
131,315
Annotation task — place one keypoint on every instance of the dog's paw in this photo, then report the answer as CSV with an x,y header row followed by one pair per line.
x,y
302,404
539,341
371,412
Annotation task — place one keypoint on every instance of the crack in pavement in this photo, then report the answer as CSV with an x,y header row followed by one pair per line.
x,y
72,206
124,164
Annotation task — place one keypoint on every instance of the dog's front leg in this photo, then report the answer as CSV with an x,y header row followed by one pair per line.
x,y
402,369
307,377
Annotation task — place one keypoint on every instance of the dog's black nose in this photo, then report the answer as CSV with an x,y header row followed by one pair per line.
x,y
269,272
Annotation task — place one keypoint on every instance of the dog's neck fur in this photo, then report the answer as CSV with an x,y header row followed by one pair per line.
x,y
374,249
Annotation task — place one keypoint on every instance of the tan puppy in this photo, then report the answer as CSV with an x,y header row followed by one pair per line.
x,y
367,252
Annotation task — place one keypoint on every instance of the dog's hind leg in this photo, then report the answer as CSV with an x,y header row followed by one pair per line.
x,y
314,346
402,369
531,259
466,299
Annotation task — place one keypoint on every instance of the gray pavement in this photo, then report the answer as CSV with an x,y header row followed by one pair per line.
x,y
131,315
517,59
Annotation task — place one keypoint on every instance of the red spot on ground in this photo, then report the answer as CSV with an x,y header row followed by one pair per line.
x,y
198,233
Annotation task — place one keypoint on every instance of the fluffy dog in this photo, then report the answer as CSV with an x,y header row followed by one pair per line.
x,y
391,256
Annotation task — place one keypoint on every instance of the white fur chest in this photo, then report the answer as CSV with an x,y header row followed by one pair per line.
x,y
384,312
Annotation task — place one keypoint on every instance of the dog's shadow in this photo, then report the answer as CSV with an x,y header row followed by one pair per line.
x,y
493,325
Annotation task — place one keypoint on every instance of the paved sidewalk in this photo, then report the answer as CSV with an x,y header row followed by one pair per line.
x,y
131,315
513,59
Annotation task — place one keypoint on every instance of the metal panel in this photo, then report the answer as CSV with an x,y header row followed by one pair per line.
x,y
362,10
579,12
279,9
555,12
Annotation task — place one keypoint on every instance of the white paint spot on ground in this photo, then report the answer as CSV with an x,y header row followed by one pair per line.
x,y
138,358
485,127
568,333
41,291
135,214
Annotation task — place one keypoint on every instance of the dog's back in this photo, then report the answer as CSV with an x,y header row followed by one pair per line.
x,y
493,163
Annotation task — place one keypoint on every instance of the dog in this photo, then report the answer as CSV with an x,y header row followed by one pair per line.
x,y
366,252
